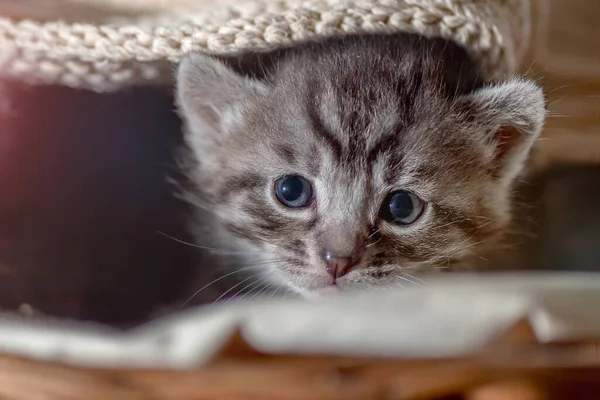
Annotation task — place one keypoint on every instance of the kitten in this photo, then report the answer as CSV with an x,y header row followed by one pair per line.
x,y
354,161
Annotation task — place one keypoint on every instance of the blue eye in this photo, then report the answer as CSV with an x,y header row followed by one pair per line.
x,y
293,191
402,207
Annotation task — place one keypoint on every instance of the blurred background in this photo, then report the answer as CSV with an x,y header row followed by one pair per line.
x,y
84,194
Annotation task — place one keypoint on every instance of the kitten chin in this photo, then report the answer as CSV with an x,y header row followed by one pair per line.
x,y
353,162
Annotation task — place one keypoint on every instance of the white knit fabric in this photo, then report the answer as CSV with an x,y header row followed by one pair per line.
x,y
123,46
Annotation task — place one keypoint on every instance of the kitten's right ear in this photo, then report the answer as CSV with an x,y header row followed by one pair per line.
x,y
208,91
510,115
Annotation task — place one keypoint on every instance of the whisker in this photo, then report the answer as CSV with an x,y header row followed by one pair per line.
x,y
184,242
256,284
193,200
267,261
231,288
275,292
242,290
373,244
268,285
374,233
463,246
412,279
399,284
215,281
213,250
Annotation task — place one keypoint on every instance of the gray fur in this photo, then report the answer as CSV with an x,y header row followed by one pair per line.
x,y
357,116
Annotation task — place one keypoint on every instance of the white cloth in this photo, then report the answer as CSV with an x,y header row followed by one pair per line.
x,y
449,315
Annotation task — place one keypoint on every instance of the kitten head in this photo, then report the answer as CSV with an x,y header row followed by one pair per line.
x,y
356,166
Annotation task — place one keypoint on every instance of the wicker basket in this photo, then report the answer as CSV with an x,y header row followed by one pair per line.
x,y
106,45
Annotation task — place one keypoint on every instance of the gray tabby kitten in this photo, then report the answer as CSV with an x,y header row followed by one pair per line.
x,y
354,161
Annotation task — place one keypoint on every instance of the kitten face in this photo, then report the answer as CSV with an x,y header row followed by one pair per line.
x,y
356,162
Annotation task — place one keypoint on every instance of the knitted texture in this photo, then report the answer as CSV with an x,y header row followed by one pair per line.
x,y
123,43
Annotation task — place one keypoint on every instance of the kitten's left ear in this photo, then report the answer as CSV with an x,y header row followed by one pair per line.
x,y
512,115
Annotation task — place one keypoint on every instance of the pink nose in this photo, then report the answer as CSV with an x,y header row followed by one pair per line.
x,y
339,266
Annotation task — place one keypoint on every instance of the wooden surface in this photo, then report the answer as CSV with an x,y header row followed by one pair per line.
x,y
517,374
569,66
514,367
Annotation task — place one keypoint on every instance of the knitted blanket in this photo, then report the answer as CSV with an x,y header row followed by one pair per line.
x,y
104,45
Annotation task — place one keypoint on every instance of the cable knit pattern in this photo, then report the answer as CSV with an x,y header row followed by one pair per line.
x,y
138,48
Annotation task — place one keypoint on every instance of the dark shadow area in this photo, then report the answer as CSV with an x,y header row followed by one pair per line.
x,y
565,220
84,193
